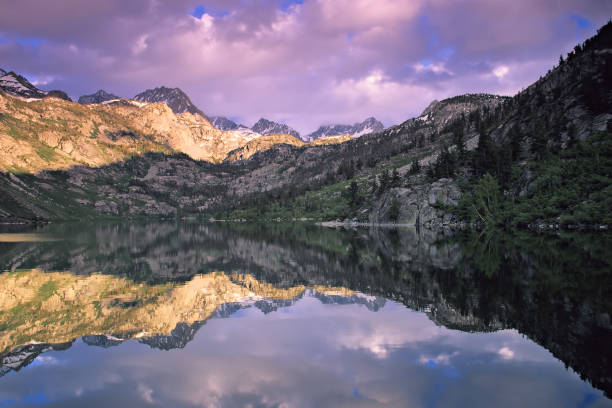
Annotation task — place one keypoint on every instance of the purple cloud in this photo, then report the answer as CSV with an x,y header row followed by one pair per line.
x,y
306,63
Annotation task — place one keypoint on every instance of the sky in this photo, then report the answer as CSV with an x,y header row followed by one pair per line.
x,y
301,62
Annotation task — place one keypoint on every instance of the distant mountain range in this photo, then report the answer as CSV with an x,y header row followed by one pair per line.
x,y
370,125
179,102
268,127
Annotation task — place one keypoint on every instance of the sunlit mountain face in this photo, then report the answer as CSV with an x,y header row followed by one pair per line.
x,y
216,315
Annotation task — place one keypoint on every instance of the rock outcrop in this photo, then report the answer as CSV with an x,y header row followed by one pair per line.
x,y
421,205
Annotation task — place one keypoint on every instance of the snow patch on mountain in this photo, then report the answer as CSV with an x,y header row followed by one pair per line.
x,y
243,131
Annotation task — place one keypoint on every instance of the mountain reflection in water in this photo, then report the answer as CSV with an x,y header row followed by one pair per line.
x,y
260,315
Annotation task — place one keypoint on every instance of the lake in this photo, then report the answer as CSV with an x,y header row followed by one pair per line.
x,y
296,315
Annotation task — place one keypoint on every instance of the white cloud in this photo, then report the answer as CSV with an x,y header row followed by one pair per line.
x,y
442,358
146,393
501,71
506,353
140,45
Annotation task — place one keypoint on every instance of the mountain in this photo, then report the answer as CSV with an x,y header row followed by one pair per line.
x,y
17,85
370,125
223,123
267,127
547,149
2,72
175,98
98,97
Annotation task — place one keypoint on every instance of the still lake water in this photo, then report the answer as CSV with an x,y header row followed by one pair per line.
x,y
188,315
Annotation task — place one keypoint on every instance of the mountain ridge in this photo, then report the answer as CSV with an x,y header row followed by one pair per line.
x,y
369,125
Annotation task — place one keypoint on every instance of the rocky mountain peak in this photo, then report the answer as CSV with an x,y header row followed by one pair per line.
x,y
268,127
440,113
223,123
175,98
370,125
97,97
2,72
430,108
15,84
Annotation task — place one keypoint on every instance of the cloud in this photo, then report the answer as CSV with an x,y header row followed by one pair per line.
x,y
305,63
506,353
146,393
500,71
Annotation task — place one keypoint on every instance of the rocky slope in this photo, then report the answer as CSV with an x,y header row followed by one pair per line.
x,y
175,98
370,125
97,97
267,127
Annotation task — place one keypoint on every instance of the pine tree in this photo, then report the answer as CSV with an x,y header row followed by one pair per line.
x,y
353,193
484,156
395,179
416,167
385,180
459,141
